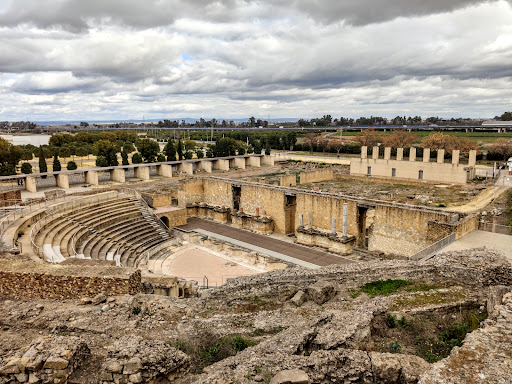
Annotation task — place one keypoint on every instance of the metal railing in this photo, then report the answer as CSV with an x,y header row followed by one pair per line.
x,y
495,228
432,249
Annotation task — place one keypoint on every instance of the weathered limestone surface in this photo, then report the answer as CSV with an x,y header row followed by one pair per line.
x,y
51,359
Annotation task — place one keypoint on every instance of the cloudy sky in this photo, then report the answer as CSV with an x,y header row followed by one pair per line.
x,y
125,59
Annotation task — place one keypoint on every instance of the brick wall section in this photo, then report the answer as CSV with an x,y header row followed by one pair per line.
x,y
316,176
9,195
17,281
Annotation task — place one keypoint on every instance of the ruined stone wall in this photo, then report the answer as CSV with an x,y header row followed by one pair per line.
x,y
316,176
288,180
435,172
218,192
5,196
324,208
158,199
18,282
261,200
176,217
402,231
190,191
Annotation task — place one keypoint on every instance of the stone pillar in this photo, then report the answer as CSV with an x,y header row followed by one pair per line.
x,y
206,165
30,184
310,219
426,155
267,160
301,220
364,152
345,220
400,154
91,177
117,174
333,226
237,162
412,154
375,153
253,161
222,165
387,153
141,173
472,158
455,157
440,156
62,181
164,170
186,168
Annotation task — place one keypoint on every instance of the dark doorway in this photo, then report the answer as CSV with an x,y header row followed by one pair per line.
x,y
237,193
361,227
165,220
289,212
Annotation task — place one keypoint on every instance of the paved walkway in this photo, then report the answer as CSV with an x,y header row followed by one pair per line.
x,y
477,239
294,253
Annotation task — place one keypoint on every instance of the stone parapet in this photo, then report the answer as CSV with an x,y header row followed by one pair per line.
x,y
332,242
261,224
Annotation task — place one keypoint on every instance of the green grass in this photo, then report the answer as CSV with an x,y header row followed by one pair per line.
x,y
384,287
487,137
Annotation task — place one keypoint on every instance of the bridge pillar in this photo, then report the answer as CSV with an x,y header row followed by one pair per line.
x,y
206,165
141,173
30,184
237,162
222,165
455,157
118,175
426,155
164,170
267,160
440,156
364,152
186,168
91,177
412,154
472,158
62,181
387,153
253,161
400,154
375,153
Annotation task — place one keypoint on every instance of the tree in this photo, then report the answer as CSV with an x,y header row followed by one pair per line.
x,y
124,157
310,140
56,164
111,157
209,153
368,137
101,161
148,149
267,149
323,142
64,152
26,168
400,138
136,158
180,150
199,153
435,141
507,116
71,166
160,158
42,162
170,150
335,145
501,149
128,147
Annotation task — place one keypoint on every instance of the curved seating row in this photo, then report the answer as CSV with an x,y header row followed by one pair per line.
x,y
118,226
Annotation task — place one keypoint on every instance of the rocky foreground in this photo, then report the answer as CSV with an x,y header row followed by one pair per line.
x,y
292,326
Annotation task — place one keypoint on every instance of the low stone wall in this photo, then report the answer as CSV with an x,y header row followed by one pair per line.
x,y
50,359
176,216
288,180
262,224
332,242
439,230
46,281
316,176
7,197
159,199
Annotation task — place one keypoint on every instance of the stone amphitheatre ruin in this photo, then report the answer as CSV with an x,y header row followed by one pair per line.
x,y
257,268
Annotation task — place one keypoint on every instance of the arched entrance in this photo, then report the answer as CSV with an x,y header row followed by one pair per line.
x,y
165,220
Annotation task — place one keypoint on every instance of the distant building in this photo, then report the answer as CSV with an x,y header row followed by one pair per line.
x,y
497,123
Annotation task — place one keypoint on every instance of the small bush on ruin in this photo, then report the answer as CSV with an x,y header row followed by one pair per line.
x,y
136,310
391,321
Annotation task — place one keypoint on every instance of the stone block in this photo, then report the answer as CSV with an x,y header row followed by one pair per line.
x,y
291,376
299,298
134,365
55,363
321,291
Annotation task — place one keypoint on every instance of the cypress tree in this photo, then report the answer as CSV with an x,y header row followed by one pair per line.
x,y
42,161
56,164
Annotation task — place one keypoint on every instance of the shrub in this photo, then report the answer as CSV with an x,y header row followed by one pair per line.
x,y
391,321
136,158
188,155
160,158
101,161
26,168
71,166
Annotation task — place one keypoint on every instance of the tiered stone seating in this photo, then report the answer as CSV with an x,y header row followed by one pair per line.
x,y
116,225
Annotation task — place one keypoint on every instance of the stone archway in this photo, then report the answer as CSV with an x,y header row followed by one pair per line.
x,y
165,220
